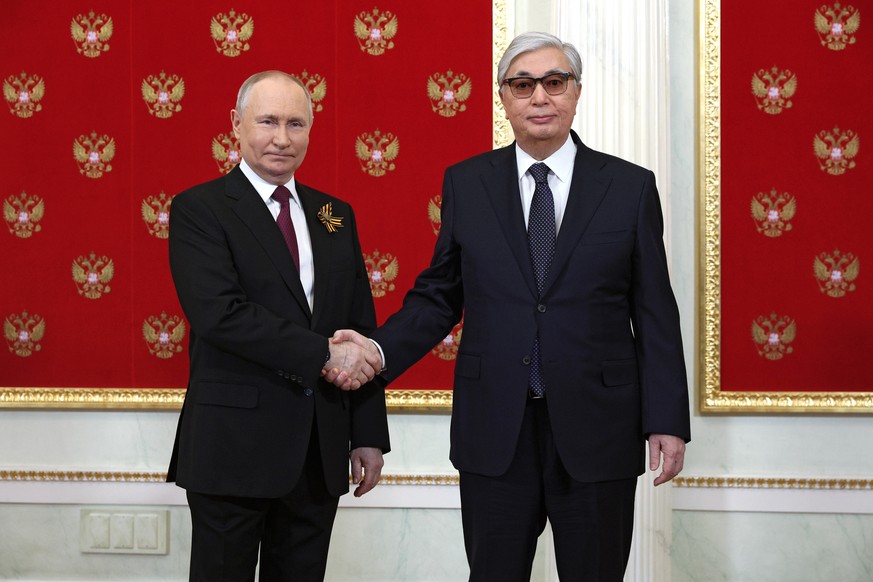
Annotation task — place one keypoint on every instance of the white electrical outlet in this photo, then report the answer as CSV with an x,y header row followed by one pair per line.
x,y
124,530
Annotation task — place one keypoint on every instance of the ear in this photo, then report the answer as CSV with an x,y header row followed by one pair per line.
x,y
235,120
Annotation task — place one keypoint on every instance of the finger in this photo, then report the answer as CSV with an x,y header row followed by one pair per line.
x,y
356,469
654,454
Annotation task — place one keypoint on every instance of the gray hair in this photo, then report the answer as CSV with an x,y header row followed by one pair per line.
x,y
242,97
531,41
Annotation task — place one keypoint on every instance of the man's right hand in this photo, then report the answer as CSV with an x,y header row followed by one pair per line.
x,y
353,362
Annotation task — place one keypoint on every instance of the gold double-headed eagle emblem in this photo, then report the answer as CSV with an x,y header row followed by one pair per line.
x,y
434,213
773,212
375,31
93,154
155,212
382,269
317,87
836,273
23,94
377,152
774,335
836,150
773,89
22,214
91,33
231,32
448,348
225,152
23,333
92,275
162,94
163,334
447,92
836,26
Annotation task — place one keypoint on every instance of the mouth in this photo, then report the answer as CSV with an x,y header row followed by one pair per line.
x,y
540,118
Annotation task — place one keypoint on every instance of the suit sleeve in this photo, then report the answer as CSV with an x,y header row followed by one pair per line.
x,y
369,416
665,406
216,304
434,304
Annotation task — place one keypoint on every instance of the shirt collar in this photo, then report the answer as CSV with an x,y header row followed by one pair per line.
x,y
560,162
264,188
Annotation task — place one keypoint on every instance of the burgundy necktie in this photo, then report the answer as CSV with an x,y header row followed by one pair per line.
x,y
282,195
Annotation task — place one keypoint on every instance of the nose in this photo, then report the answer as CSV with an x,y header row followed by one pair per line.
x,y
282,136
539,93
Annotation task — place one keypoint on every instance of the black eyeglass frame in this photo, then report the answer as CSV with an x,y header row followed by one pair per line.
x,y
534,80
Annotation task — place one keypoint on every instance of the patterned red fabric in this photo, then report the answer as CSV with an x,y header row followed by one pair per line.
x,y
796,204
156,86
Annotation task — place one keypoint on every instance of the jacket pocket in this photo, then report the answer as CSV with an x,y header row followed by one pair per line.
x,y
220,394
619,372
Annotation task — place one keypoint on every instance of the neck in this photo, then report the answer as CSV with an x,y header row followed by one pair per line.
x,y
542,150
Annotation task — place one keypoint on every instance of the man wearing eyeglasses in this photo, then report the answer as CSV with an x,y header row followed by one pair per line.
x,y
571,356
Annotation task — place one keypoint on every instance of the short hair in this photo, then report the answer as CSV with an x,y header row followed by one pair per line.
x,y
531,41
245,90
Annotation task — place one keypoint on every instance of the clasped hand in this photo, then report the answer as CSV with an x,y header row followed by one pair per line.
x,y
354,360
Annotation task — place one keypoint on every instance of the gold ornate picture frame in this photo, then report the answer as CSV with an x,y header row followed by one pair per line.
x,y
712,399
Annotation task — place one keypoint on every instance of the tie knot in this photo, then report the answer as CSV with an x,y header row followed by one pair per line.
x,y
281,195
540,173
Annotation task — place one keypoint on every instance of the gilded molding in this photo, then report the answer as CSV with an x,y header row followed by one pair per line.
x,y
711,398
172,398
140,477
410,479
772,483
500,37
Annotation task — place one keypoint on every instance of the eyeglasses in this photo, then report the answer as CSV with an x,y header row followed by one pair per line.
x,y
523,87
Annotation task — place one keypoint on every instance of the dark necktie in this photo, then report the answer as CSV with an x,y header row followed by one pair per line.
x,y
541,240
282,195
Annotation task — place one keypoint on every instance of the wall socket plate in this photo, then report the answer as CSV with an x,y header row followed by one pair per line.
x,y
111,529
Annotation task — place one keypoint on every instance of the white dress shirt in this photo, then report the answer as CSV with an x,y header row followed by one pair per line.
x,y
560,165
304,245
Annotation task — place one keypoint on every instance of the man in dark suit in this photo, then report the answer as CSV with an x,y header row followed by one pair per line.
x,y
571,356
263,442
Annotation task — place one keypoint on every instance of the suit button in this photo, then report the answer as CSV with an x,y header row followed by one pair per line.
x,y
526,360
293,378
308,392
287,376
541,308
281,372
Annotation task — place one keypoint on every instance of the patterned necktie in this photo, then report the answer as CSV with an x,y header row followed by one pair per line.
x,y
541,234
282,195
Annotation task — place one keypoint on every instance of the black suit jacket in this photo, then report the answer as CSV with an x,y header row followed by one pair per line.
x,y
607,321
256,349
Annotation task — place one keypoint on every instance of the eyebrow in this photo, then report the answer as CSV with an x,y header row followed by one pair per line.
x,y
529,74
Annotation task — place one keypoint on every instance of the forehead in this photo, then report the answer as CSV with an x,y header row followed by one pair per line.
x,y
277,96
538,62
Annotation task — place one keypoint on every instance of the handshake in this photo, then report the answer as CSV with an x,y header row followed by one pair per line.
x,y
354,360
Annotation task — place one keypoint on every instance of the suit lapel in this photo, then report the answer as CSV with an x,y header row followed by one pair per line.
x,y
250,208
501,183
587,189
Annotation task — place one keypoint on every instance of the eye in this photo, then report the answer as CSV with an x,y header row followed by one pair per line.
x,y
522,83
